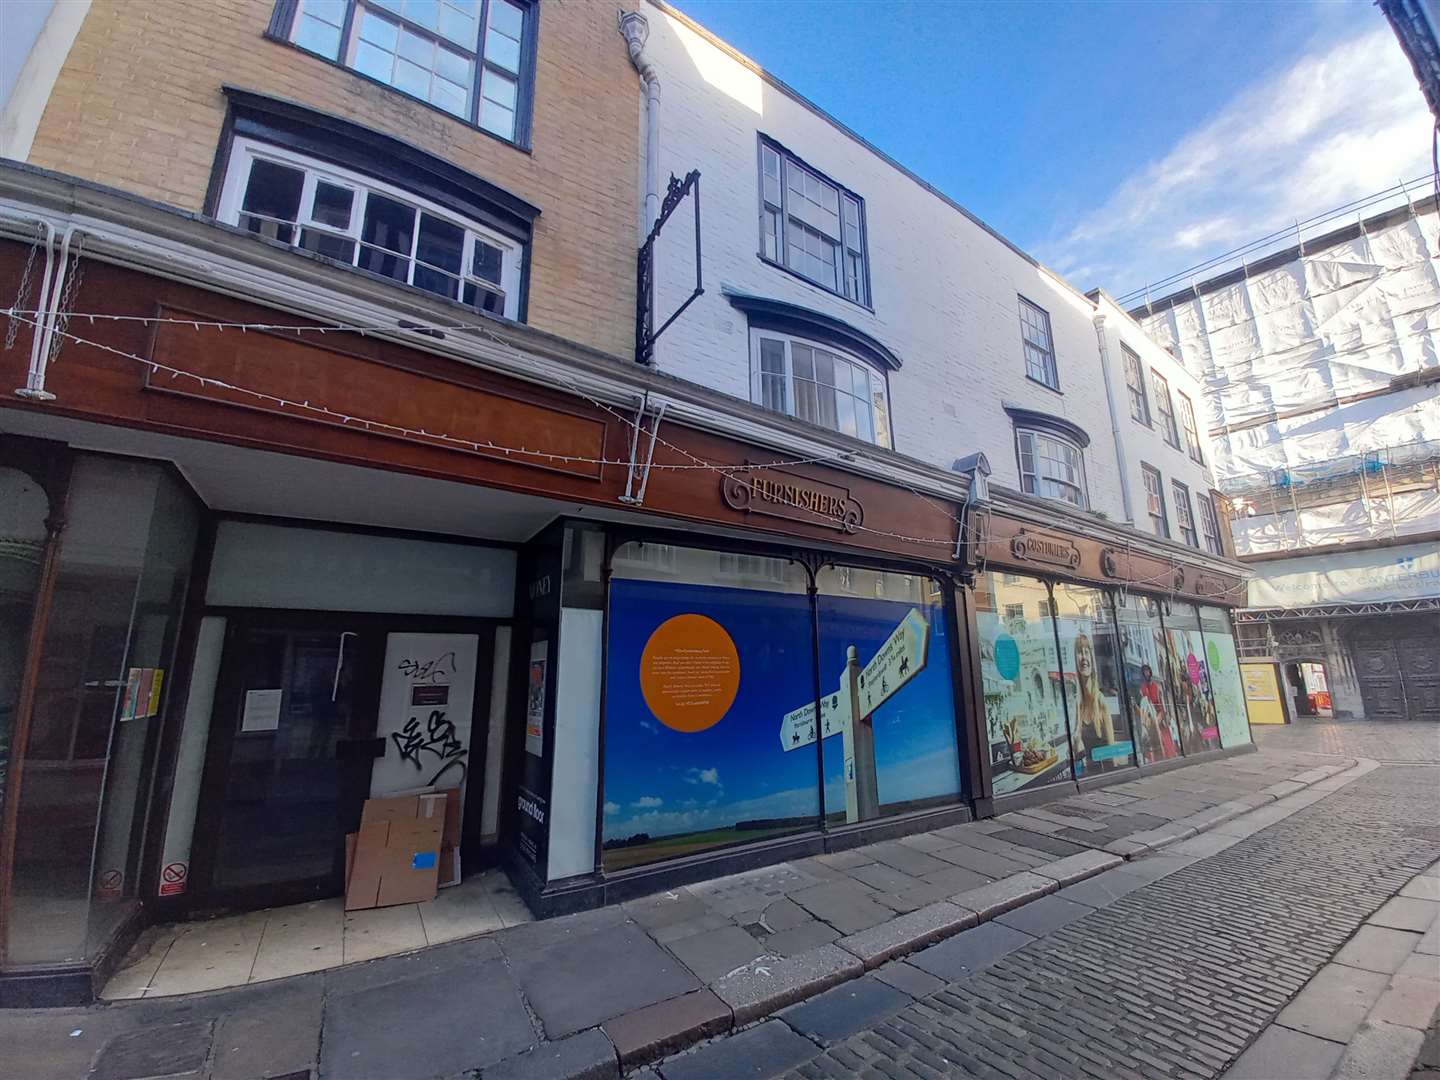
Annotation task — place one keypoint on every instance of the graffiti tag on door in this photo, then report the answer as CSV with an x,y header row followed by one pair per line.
x,y
435,742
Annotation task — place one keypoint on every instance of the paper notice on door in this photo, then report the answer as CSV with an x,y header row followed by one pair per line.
x,y
262,710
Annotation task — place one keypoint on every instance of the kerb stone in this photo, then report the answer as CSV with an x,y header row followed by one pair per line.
x,y
1004,895
907,933
650,1033
766,985
1075,868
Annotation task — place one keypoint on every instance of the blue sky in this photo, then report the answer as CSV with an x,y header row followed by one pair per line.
x,y
1118,142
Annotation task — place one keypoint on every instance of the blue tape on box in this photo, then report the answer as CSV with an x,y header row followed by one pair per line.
x,y
423,860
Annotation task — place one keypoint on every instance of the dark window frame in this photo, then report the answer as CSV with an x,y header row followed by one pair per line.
x,y
1165,406
1189,427
1052,365
1159,523
1130,359
282,26
780,260
339,141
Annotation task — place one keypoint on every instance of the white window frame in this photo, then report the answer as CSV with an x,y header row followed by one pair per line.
x,y
1165,406
1189,427
1155,501
1210,523
245,152
1049,366
1135,387
883,434
779,217
1031,481
1184,512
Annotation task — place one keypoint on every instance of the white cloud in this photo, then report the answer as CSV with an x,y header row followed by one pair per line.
x,y
703,776
1344,121
647,802
611,808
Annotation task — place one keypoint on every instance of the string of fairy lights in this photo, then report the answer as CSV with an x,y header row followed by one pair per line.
x,y
639,425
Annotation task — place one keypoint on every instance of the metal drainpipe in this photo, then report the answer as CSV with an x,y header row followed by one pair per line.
x,y
34,387
1114,421
635,28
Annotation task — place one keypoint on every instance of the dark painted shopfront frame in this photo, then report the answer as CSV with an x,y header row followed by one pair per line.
x,y
605,887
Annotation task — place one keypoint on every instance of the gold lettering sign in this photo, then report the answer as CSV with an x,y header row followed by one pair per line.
x,y
1043,548
758,490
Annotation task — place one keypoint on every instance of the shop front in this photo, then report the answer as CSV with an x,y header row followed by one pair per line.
x,y
1097,659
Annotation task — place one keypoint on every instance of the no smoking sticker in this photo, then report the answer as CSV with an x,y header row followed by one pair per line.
x,y
172,878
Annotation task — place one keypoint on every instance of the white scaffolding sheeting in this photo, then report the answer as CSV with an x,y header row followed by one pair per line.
x,y
1325,419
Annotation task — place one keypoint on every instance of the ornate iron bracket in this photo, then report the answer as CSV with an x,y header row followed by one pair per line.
x,y
645,333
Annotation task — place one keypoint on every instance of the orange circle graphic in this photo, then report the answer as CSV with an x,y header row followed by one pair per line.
x,y
689,672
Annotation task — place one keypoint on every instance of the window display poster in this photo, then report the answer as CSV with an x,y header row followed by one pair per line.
x,y
1147,679
698,680
1024,711
1226,684
915,750
1190,682
535,699
1089,654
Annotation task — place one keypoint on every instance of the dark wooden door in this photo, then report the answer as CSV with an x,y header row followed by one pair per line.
x,y
1418,647
1381,684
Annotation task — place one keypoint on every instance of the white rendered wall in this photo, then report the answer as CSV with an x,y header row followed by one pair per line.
x,y
944,288
1146,444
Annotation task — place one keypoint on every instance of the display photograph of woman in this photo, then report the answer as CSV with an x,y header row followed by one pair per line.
x,y
1147,675
1190,680
1100,738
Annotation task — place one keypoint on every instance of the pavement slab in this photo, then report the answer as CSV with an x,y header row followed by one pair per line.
x,y
270,1035
716,952
1048,845
970,951
1044,915
425,1026
907,977
848,1008
164,1051
1282,1054
765,1050
578,984
1407,913
1335,1002
1379,1050
586,1056
846,905
1378,948
798,939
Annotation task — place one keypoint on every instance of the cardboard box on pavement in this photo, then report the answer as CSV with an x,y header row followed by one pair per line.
x,y
396,851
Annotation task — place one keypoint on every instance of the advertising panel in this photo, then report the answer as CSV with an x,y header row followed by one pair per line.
x,y
895,748
698,679
1226,685
1090,660
1142,648
1189,672
1024,708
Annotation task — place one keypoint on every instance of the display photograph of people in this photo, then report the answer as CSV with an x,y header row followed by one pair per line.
x,y
1020,669
1184,651
1225,681
1100,730
1147,677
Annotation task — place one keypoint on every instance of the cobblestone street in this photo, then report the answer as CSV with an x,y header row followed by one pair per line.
x,y
1168,967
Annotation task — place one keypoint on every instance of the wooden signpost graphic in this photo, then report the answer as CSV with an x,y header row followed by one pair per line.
x,y
848,710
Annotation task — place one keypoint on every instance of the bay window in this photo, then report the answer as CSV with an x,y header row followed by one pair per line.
x,y
368,225
1052,467
820,385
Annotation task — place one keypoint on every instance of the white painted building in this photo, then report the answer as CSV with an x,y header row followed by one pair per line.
x,y
952,339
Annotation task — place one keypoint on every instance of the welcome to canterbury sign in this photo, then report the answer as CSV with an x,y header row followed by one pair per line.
x,y
773,493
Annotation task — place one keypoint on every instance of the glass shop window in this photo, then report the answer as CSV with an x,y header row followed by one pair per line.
x,y
1028,736
710,658
1090,660
1144,657
888,715
1190,679
1226,685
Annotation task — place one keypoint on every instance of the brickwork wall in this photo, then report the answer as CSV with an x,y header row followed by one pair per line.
x,y
138,106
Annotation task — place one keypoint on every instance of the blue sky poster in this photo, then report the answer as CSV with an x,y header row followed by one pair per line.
x,y
917,759
670,792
